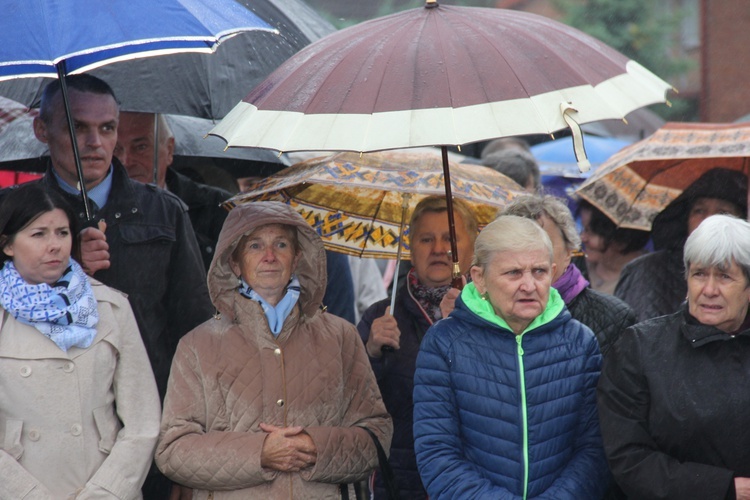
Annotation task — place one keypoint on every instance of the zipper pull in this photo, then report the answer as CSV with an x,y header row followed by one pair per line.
x,y
519,338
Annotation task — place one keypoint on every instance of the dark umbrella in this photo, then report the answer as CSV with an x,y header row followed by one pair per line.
x,y
50,38
21,151
439,75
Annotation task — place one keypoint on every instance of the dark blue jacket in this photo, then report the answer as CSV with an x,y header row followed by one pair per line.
x,y
503,416
339,296
395,374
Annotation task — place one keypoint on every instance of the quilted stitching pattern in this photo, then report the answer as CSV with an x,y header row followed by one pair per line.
x,y
230,374
467,415
606,315
653,284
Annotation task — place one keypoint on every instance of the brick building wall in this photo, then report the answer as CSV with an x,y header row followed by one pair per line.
x,y
725,60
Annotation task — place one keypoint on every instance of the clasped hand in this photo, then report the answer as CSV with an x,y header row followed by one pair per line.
x,y
287,449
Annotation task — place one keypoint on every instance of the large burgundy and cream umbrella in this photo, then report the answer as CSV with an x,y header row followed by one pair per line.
x,y
439,75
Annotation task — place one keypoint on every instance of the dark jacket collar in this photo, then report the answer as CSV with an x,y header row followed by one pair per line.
x,y
121,194
699,334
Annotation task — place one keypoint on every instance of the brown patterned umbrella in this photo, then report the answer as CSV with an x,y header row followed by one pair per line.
x,y
355,202
639,181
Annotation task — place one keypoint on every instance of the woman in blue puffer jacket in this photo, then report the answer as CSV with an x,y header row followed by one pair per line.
x,y
505,387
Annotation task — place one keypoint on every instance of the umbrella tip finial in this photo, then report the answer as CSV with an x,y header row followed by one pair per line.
x,y
430,4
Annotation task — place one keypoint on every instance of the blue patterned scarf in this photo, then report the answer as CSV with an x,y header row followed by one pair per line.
x,y
278,314
65,312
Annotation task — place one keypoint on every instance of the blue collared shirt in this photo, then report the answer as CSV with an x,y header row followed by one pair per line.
x,y
98,194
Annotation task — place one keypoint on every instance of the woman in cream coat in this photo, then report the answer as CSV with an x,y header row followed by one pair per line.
x,y
79,410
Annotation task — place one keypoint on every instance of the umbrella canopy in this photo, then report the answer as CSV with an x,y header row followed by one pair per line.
x,y
438,76
51,38
560,175
9,111
356,202
198,84
637,183
20,150
39,34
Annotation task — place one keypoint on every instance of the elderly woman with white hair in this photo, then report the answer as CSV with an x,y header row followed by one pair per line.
x,y
673,396
505,387
605,314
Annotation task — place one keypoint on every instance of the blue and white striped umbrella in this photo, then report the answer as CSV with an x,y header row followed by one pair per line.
x,y
37,35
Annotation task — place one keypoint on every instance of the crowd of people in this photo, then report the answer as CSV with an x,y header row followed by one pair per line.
x,y
161,347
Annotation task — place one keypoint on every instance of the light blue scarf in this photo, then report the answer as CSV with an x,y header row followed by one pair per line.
x,y
278,314
65,312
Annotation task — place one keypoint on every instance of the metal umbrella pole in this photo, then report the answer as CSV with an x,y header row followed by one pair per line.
x,y
156,148
404,207
73,139
405,197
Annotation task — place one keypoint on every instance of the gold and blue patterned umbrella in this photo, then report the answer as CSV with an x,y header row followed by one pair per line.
x,y
355,201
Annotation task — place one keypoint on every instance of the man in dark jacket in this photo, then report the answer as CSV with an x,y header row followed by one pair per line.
x,y
145,245
653,284
135,149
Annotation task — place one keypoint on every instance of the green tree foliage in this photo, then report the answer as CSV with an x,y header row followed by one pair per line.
x,y
643,30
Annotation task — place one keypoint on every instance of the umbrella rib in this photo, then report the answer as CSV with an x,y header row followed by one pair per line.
x,y
448,83
344,57
378,206
366,135
539,38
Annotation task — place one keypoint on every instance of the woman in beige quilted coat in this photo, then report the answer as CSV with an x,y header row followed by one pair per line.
x,y
267,399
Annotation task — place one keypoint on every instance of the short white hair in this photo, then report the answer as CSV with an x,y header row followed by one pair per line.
x,y
509,233
719,241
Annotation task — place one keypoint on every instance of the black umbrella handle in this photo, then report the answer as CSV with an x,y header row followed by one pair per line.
x,y
457,282
73,139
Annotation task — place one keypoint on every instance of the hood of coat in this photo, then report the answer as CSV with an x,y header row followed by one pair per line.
x,y
244,219
669,230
